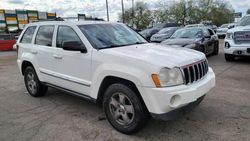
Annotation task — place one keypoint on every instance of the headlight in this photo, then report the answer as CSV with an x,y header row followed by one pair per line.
x,y
190,46
229,35
168,77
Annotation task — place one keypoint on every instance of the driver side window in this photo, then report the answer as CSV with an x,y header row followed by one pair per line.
x,y
206,33
66,34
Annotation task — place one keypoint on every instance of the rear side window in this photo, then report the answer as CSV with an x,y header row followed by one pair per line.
x,y
66,34
44,35
28,34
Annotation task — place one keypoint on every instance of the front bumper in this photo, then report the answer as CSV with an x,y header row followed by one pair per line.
x,y
164,100
236,49
178,112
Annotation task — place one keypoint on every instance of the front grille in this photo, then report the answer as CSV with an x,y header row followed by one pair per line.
x,y
195,71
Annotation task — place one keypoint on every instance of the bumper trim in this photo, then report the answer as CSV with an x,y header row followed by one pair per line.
x,y
174,114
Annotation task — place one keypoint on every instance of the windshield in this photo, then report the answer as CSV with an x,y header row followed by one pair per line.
x,y
224,26
188,33
245,21
110,35
166,31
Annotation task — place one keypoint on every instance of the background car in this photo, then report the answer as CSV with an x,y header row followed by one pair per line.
x,y
222,30
148,33
7,41
163,34
201,39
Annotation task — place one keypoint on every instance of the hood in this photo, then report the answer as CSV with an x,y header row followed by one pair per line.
x,y
157,54
240,28
159,37
222,29
180,41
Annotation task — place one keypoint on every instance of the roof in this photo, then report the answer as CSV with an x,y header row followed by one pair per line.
x,y
72,22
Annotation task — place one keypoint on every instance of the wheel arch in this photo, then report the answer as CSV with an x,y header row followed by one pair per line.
x,y
109,80
24,65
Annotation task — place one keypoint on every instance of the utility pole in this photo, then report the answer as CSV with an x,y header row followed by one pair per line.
x,y
132,13
107,9
123,18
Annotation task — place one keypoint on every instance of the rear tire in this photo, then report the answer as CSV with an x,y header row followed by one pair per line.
x,y
123,109
229,57
32,83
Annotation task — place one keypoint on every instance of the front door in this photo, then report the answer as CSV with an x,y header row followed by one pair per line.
x,y
72,68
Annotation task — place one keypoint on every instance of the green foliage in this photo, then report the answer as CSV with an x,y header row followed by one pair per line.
x,y
248,11
141,17
182,12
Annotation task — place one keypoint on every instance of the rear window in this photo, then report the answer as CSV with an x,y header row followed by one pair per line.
x,y
28,34
44,35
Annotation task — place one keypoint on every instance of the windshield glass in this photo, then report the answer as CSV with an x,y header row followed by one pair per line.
x,y
166,31
224,26
110,35
245,21
188,33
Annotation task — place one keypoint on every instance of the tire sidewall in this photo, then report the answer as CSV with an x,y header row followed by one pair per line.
x,y
31,70
138,109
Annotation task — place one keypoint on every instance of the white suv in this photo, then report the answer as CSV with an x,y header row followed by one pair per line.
x,y
109,63
237,41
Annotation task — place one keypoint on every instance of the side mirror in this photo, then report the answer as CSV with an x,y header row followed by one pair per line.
x,y
74,46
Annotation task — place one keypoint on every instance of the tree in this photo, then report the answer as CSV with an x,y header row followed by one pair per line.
x,y
248,11
142,16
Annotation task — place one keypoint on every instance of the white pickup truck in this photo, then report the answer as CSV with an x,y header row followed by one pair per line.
x,y
111,64
237,41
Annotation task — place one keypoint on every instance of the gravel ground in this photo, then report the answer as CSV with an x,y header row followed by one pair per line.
x,y
223,115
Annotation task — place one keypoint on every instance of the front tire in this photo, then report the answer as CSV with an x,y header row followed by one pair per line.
x,y
32,83
229,57
123,109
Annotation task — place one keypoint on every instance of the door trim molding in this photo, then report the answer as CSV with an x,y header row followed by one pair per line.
x,y
63,78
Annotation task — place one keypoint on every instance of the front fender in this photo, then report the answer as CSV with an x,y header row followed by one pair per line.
x,y
137,76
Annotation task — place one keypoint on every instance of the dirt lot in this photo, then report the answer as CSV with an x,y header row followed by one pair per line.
x,y
223,115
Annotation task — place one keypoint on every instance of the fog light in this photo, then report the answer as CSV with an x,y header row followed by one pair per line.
x,y
227,45
175,101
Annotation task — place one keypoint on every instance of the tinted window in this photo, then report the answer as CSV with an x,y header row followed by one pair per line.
x,y
206,32
111,35
188,33
211,32
66,34
44,35
28,34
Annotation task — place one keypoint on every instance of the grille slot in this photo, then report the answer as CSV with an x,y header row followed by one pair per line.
x,y
195,71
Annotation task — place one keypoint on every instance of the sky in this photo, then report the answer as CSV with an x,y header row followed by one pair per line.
x,y
95,8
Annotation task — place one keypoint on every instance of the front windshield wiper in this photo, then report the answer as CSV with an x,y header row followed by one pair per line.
x,y
114,45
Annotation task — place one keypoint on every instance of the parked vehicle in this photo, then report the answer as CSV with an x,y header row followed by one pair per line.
x,y
222,30
110,64
165,25
194,25
147,33
163,34
237,41
201,39
6,42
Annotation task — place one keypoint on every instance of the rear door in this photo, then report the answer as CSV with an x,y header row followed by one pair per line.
x,y
43,46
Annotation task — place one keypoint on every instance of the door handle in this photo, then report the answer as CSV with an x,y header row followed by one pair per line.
x,y
56,56
33,52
